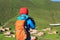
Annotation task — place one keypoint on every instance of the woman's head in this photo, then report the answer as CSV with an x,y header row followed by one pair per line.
x,y
23,10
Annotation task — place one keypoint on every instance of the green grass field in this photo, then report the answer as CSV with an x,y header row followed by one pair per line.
x,y
43,12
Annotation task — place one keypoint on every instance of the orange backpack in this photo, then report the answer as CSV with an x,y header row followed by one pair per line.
x,y
20,30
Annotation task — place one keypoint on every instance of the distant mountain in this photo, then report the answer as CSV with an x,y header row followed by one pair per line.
x,y
40,10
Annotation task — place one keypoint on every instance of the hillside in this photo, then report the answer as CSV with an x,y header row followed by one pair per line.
x,y
43,12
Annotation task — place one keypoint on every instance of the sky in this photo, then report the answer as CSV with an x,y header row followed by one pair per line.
x,y
55,0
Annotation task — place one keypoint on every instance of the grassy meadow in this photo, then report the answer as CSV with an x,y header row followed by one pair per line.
x,y
44,12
